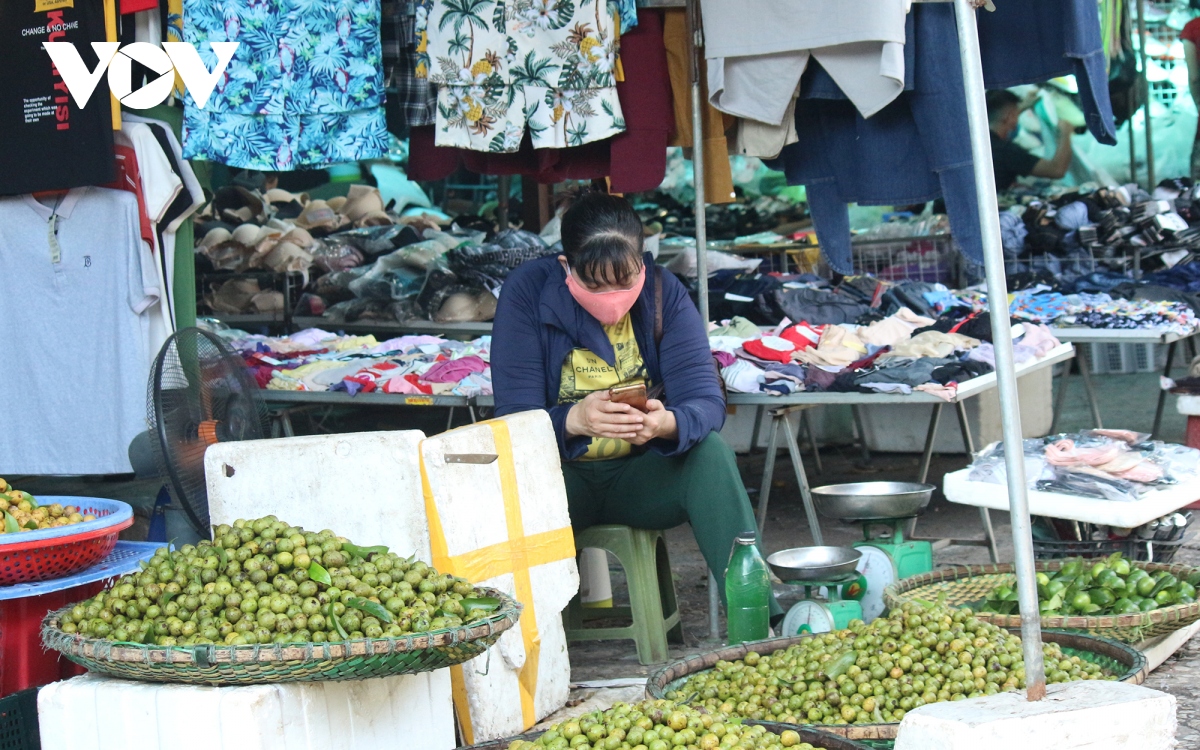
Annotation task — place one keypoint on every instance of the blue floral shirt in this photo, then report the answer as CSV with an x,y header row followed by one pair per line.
x,y
305,87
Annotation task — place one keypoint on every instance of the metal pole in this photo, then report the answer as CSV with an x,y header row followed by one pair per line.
x,y
697,40
503,187
1141,11
1132,152
993,256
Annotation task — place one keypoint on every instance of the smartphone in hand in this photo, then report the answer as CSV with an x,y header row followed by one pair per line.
x,y
634,395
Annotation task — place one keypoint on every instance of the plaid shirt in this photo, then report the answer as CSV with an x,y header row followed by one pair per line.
x,y
411,101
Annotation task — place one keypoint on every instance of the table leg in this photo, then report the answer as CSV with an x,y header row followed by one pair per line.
x,y
1162,395
802,479
923,471
989,533
1085,373
1061,399
285,421
758,417
471,411
764,494
450,419
806,422
714,604
862,433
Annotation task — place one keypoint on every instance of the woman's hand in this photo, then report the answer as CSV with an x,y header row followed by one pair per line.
x,y
658,423
598,416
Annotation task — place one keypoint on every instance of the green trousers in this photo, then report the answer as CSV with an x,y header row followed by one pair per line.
x,y
701,487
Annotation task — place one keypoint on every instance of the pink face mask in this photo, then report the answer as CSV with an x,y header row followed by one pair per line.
x,y
606,307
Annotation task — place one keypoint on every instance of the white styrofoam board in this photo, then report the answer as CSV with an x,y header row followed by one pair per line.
x,y
1087,715
471,507
100,713
960,489
364,486
1158,650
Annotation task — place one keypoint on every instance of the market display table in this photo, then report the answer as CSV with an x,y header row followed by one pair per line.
x,y
23,662
1079,335
284,404
1154,504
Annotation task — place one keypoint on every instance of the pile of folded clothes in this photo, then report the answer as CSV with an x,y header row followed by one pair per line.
x,y
896,354
1119,465
316,360
1101,310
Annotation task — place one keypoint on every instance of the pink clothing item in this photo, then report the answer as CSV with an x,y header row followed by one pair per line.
x,y
1039,338
893,330
454,370
407,384
607,307
944,392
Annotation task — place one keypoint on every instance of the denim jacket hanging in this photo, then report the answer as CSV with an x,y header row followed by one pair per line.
x,y
1030,41
915,150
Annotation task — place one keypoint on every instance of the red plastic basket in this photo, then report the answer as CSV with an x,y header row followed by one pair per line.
x,y
57,553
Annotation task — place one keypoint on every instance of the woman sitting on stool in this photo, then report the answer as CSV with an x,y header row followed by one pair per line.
x,y
570,328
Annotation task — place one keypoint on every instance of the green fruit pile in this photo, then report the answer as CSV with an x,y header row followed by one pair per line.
x,y
877,673
1112,586
265,581
659,725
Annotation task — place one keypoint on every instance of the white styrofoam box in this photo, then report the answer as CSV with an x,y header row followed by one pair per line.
x,y
100,713
471,510
903,428
364,486
1188,405
1086,715
367,488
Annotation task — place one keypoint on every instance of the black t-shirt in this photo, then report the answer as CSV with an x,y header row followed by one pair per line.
x,y
1010,161
46,141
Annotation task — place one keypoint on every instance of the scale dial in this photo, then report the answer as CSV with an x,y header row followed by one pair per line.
x,y
880,572
807,617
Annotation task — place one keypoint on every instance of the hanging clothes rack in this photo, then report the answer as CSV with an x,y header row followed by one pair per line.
x,y
989,214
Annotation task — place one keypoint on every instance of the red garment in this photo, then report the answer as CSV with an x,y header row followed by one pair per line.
x,y
130,179
1191,33
635,161
137,6
803,335
756,348
638,157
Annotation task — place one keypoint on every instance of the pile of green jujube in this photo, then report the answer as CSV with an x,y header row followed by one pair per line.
x,y
1112,586
265,581
876,673
659,725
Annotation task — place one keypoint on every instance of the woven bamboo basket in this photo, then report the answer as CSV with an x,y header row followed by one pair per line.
x,y
969,585
812,736
269,663
1129,664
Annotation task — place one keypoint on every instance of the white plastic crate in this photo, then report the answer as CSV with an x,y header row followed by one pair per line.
x,y
1114,359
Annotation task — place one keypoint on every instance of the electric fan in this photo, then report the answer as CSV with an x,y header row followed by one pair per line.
x,y
200,393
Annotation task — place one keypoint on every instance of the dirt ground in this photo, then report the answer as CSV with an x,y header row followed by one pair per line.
x,y
786,526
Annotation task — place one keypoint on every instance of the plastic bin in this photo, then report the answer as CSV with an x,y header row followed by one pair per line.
x,y
19,721
23,662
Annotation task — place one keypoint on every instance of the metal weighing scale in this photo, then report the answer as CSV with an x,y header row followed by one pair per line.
x,y
831,570
882,508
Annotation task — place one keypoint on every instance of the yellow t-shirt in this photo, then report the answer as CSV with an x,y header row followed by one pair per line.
x,y
584,372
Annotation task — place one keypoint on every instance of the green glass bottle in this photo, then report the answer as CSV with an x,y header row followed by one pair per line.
x,y
747,592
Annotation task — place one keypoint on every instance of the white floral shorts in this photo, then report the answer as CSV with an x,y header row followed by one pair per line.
x,y
494,118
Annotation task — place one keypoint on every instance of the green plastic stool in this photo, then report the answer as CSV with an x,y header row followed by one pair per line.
x,y
655,613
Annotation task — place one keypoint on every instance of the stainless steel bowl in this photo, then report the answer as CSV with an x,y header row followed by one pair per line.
x,y
814,563
872,501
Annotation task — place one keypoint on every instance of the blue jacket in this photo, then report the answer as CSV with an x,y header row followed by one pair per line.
x,y
538,323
